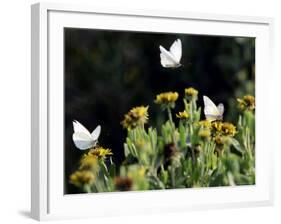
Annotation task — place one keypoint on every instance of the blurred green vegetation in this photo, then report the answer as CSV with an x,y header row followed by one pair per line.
x,y
191,153
109,72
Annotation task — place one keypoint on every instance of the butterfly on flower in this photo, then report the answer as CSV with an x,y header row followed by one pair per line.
x,y
211,111
82,138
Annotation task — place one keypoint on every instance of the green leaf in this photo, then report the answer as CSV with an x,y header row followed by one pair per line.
x,y
236,144
126,150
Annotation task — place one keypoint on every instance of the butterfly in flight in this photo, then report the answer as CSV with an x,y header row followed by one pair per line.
x,y
171,58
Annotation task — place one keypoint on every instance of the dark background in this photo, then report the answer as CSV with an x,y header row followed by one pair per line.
x,y
108,72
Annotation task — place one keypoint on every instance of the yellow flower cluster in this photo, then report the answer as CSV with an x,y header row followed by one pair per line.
x,y
82,177
224,128
135,117
100,152
217,126
219,140
166,98
246,103
204,134
205,124
88,162
217,130
228,129
191,93
182,115
89,167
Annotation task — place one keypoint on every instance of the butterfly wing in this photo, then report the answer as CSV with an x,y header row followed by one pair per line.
x,y
96,133
221,109
78,127
82,141
210,109
176,50
167,59
82,138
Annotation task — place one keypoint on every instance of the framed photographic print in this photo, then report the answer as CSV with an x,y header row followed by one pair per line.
x,y
139,111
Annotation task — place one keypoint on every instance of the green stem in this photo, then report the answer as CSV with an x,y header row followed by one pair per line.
x,y
173,181
142,126
193,156
153,174
87,188
188,108
170,115
172,124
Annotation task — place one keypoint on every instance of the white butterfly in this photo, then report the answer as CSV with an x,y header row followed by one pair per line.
x,y
171,59
211,111
82,138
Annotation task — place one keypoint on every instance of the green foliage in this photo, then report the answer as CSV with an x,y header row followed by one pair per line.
x,y
189,153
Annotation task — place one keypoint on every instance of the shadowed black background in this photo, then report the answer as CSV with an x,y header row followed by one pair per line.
x,y
108,72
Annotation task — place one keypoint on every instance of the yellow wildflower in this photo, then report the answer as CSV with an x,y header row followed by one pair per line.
x,y
219,140
217,126
246,103
136,116
228,129
205,124
128,122
100,152
182,115
191,93
166,98
223,128
82,177
88,162
204,134
139,112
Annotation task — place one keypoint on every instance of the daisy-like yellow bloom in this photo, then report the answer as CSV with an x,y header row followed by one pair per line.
x,y
182,115
228,129
246,103
191,93
139,113
223,128
135,117
167,98
89,162
82,177
219,140
204,134
217,126
128,122
100,152
205,124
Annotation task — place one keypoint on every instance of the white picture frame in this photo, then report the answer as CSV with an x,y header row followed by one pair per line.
x,y
48,201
